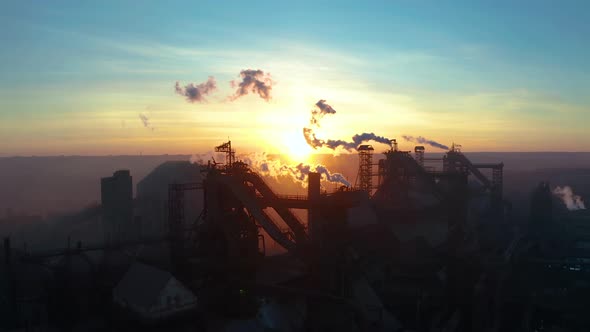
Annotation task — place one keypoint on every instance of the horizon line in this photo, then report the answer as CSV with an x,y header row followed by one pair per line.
x,y
316,154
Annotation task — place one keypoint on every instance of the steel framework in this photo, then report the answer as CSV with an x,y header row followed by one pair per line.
x,y
230,155
365,173
176,222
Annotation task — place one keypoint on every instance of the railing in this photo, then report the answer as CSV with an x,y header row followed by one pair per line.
x,y
286,197
292,197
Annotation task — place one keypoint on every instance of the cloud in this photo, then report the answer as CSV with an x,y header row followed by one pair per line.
x,y
196,93
255,81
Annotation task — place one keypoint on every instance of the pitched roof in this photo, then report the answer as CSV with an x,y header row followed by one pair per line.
x,y
142,284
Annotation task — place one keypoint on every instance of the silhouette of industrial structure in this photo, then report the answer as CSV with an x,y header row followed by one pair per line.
x,y
116,193
402,250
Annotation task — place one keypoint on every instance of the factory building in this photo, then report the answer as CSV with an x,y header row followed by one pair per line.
x,y
406,248
152,195
117,203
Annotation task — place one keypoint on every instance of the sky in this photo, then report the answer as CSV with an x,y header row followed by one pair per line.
x,y
98,77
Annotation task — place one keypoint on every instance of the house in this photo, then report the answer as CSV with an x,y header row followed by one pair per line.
x,y
152,294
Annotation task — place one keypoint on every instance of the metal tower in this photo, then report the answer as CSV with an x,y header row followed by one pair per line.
x,y
365,173
230,155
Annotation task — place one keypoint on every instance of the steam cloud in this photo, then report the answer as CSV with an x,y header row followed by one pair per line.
x,y
571,200
320,110
298,173
318,113
267,166
423,140
196,93
254,81
146,121
263,164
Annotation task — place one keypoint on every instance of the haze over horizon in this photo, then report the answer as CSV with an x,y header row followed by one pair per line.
x,y
115,78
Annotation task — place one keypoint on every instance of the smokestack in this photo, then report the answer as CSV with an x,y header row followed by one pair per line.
x,y
7,251
313,194
419,154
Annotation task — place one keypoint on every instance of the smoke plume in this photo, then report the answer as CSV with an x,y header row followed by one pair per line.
x,y
423,140
571,200
196,93
146,121
317,113
254,81
298,172
267,166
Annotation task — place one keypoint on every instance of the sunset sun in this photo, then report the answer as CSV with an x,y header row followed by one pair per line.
x,y
295,147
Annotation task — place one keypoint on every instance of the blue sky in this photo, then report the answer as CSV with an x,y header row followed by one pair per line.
x,y
493,75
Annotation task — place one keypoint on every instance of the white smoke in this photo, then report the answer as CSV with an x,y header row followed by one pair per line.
x,y
266,165
423,140
571,200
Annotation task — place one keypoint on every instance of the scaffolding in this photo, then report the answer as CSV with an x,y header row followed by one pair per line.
x,y
365,173
176,220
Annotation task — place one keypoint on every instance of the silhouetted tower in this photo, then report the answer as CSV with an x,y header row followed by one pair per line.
x,y
541,206
419,155
230,155
365,172
546,233
117,206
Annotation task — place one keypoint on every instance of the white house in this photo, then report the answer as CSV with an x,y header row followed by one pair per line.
x,y
152,293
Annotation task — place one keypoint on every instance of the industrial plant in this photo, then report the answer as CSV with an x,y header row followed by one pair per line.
x,y
419,242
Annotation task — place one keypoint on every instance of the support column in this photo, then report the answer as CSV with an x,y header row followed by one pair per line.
x,y
313,220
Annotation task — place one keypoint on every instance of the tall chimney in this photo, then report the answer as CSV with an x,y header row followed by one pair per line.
x,y
313,195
